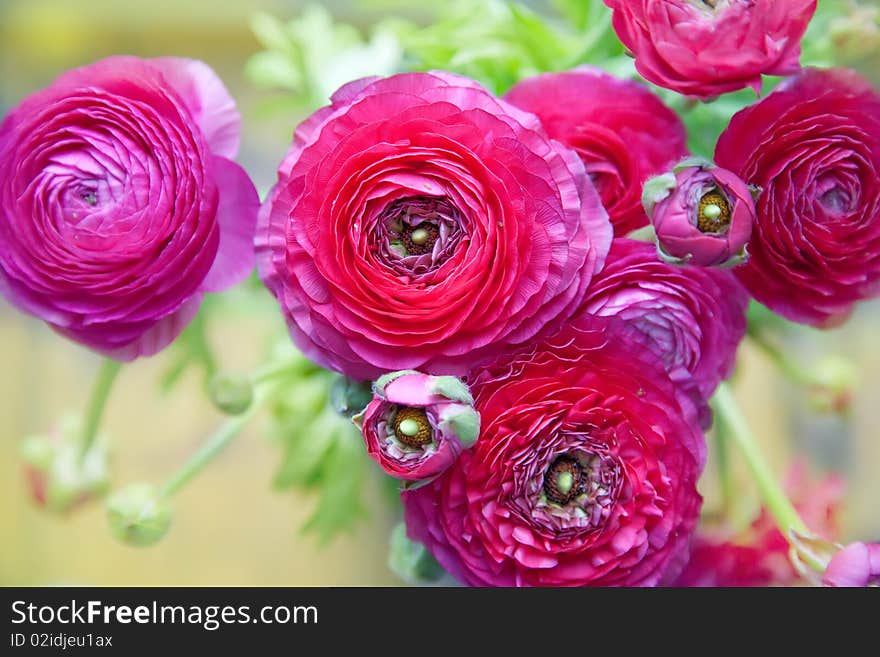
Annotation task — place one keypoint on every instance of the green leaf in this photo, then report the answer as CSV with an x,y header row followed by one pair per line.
x,y
312,55
322,453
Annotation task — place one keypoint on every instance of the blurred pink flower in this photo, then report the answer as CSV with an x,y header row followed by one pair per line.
x,y
856,565
711,47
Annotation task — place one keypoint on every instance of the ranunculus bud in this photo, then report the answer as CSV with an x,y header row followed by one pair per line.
x,y
138,515
702,214
231,393
59,476
416,425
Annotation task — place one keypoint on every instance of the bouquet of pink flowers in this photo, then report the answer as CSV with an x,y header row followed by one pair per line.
x,y
524,285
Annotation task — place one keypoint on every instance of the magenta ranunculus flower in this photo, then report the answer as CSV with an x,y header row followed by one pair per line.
x,y
813,147
623,133
584,473
705,48
419,222
416,425
119,203
702,215
856,565
693,317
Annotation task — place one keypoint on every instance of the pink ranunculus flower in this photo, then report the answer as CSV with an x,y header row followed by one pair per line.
x,y
418,222
705,48
416,425
623,133
856,565
702,214
693,317
119,204
584,473
813,147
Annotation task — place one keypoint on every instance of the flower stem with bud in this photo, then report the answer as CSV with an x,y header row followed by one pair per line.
x,y
98,400
740,434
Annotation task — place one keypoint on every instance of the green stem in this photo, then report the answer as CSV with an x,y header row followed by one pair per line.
x,y
725,474
218,442
786,364
775,499
100,392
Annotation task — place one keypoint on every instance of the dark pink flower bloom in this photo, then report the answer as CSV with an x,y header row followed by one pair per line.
x,y
693,317
856,565
702,215
420,223
119,205
416,425
813,147
584,473
705,48
623,133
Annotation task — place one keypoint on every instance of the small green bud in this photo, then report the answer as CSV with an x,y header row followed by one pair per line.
x,y
231,393
138,515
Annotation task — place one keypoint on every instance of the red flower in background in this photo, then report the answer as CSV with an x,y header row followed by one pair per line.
x,y
584,472
813,146
623,133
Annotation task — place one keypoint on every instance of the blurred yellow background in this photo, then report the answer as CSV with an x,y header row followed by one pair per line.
x,y
229,527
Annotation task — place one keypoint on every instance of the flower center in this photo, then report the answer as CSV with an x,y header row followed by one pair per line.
x,y
411,427
713,214
564,480
417,234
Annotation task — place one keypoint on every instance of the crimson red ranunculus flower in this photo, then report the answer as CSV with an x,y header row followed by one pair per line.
x,y
120,206
705,48
623,133
419,222
692,317
813,146
584,472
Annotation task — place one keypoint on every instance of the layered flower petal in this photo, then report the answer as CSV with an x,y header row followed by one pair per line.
x,y
693,318
112,214
813,147
420,223
707,48
570,482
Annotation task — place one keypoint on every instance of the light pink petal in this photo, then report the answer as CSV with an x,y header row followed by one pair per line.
x,y
207,99
237,211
